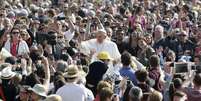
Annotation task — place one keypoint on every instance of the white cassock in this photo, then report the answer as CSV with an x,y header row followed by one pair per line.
x,y
93,45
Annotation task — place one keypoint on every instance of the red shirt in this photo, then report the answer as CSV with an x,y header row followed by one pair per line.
x,y
13,49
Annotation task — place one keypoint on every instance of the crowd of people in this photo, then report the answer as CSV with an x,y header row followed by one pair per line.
x,y
100,50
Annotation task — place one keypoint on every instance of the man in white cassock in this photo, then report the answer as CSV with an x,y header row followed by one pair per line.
x,y
100,43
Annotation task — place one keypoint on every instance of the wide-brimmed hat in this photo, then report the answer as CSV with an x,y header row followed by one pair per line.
x,y
22,13
4,65
7,73
104,55
72,72
39,89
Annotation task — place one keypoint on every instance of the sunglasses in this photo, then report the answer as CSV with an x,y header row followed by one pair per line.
x,y
82,32
60,37
65,7
182,35
149,29
22,34
84,21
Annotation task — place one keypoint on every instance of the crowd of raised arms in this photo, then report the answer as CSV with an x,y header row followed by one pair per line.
x,y
100,50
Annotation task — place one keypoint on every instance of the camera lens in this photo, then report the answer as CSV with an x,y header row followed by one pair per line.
x,y
117,82
18,61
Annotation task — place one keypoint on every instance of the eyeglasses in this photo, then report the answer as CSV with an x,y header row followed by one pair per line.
x,y
149,29
15,32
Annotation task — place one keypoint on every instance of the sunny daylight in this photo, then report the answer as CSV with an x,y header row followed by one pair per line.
x,y
100,50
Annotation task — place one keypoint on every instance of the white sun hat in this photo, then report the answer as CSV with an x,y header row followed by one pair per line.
x,y
39,89
7,73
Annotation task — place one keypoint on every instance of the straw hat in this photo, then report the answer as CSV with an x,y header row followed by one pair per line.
x,y
39,89
72,72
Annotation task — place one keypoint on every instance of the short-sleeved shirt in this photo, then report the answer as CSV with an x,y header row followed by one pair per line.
x,y
72,92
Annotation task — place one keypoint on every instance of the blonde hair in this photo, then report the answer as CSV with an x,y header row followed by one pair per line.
x,y
105,93
53,98
155,96
103,84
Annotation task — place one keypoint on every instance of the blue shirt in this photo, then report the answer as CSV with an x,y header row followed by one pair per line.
x,y
130,73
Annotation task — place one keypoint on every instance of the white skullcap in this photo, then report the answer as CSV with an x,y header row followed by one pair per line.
x,y
102,31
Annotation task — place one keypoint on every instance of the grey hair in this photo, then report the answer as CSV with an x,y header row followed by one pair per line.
x,y
136,93
61,66
159,27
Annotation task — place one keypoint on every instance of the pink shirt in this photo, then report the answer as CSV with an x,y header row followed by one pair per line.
x,y
97,98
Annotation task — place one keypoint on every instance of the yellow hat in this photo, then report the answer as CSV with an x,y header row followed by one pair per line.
x,y
104,56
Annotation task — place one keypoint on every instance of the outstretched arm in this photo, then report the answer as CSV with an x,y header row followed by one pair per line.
x,y
47,73
71,25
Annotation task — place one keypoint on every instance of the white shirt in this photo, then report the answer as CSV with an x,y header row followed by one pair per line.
x,y
113,69
22,48
90,96
72,92
107,45
72,17
69,35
